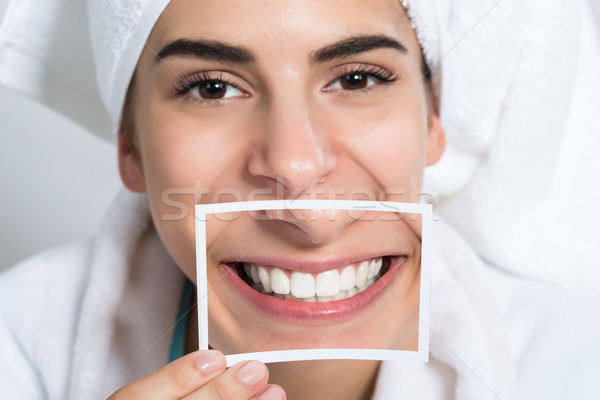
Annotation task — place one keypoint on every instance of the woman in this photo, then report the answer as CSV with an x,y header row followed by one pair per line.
x,y
279,111
229,97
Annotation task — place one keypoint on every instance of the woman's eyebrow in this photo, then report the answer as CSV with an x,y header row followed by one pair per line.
x,y
218,51
355,45
208,50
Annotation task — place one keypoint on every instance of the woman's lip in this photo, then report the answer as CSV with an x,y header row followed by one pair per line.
x,y
307,266
298,311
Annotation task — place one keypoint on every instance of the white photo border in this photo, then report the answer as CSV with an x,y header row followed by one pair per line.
x,y
421,355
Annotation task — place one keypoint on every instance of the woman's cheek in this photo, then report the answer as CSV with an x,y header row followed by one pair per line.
x,y
394,154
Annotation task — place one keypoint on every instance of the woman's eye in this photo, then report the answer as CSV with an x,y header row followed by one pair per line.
x,y
215,90
354,81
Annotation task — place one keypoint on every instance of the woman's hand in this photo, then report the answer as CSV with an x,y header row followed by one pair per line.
x,y
202,375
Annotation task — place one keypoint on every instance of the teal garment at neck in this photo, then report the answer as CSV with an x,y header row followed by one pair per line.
x,y
177,349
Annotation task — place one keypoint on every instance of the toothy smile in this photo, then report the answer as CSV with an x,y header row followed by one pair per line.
x,y
331,285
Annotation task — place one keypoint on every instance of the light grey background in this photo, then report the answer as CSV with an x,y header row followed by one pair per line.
x,y
56,179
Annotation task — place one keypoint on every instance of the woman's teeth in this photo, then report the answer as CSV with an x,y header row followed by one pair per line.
x,y
335,284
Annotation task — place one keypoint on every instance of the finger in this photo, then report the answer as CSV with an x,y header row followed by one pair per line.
x,y
272,392
177,379
243,381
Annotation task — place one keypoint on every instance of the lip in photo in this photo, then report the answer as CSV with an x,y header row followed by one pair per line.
x,y
275,297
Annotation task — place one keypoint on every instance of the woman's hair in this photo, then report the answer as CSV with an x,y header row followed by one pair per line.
x,y
127,119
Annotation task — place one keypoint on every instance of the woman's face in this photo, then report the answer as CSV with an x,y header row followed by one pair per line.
x,y
239,100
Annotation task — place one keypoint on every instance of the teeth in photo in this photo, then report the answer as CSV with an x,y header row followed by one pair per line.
x,y
254,273
361,274
332,285
328,283
378,265
342,294
280,283
302,285
348,278
367,285
323,299
374,268
265,279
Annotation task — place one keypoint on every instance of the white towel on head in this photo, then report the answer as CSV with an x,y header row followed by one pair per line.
x,y
519,108
425,24
129,23
60,53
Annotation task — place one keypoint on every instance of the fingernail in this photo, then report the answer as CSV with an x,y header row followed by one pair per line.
x,y
210,362
272,393
252,373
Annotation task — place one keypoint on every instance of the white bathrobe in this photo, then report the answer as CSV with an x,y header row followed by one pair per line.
x,y
83,320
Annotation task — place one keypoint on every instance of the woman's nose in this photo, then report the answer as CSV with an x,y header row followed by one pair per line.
x,y
293,152
297,155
